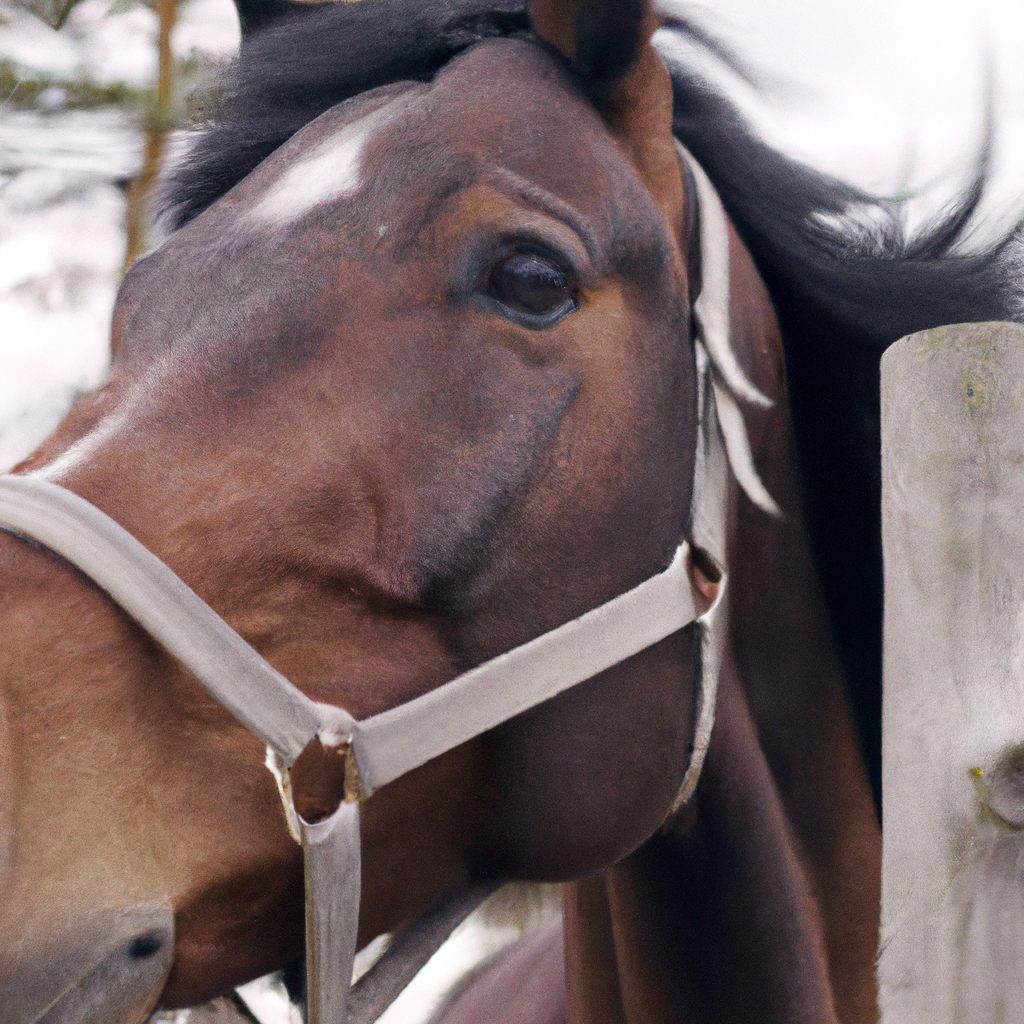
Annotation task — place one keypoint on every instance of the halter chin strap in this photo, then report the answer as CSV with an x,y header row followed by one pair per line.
x,y
384,747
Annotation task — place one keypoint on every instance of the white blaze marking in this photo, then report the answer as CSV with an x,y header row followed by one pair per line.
x,y
80,452
329,172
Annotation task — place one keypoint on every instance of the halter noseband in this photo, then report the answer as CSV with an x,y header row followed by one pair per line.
x,y
384,747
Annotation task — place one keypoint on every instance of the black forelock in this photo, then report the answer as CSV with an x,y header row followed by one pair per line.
x,y
318,55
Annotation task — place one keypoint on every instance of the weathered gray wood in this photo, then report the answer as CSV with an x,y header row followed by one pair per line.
x,y
953,725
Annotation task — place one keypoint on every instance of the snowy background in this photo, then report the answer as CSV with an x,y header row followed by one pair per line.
x,y
888,94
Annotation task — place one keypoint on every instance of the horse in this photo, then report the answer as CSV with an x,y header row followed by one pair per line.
x,y
414,380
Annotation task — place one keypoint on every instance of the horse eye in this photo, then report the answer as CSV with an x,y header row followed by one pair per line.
x,y
531,285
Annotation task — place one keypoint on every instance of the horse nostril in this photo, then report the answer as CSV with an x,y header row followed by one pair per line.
x,y
145,945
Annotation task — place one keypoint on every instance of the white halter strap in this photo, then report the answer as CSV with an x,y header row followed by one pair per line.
x,y
384,747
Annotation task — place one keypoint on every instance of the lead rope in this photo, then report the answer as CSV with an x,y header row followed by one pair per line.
x,y
386,746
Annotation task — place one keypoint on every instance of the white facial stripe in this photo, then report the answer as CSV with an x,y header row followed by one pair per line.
x,y
80,452
329,172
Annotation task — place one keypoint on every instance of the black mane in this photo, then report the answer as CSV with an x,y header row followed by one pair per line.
x,y
313,57
841,300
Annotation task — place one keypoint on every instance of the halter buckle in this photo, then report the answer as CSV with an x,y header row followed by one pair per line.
x,y
325,775
355,791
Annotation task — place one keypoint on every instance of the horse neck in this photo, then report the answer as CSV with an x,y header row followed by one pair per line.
x,y
711,920
760,902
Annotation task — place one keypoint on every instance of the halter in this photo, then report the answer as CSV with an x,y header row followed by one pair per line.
x,y
382,748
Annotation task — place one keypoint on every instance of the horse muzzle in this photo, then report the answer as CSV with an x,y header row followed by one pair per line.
x,y
109,971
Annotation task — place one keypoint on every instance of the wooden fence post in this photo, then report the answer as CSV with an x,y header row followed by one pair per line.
x,y
952,937
158,124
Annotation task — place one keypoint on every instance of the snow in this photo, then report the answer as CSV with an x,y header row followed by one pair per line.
x,y
60,247
62,200
116,46
207,27
472,942
886,94
106,41
34,46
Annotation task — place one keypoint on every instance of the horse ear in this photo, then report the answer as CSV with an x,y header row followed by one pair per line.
x,y
255,15
602,39
608,44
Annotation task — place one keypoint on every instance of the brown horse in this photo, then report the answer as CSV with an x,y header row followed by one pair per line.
x,y
419,387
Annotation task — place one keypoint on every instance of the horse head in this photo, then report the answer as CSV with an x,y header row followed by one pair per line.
x,y
419,388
